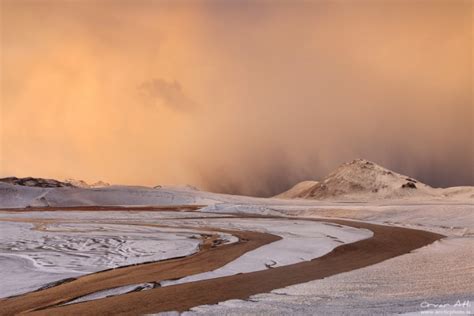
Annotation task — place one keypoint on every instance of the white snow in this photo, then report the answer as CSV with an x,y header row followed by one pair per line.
x,y
113,292
83,242
30,258
116,216
442,273
443,218
15,196
301,241
363,180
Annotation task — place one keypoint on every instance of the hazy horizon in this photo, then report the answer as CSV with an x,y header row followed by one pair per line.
x,y
245,97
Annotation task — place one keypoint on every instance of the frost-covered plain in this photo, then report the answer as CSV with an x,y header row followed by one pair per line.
x,y
14,196
75,243
436,279
32,256
441,273
301,241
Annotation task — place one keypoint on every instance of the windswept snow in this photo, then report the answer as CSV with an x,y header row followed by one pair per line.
x,y
94,241
301,241
115,291
65,244
14,196
442,273
30,258
118,216
357,181
446,219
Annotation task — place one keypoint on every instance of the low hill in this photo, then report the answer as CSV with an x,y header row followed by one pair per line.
x,y
37,182
364,180
300,190
84,184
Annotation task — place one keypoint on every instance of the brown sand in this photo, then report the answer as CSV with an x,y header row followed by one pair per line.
x,y
161,208
387,242
209,258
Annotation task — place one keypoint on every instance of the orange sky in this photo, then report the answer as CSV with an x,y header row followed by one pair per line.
x,y
241,96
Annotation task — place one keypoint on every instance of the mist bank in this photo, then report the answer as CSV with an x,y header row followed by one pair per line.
x,y
247,98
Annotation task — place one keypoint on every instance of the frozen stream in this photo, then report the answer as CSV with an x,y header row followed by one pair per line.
x,y
30,258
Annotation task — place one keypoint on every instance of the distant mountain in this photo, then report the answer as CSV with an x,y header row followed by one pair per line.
x,y
357,181
364,180
52,183
83,184
36,182
19,196
300,190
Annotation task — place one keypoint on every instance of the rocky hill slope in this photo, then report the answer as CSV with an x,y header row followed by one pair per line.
x,y
364,180
37,182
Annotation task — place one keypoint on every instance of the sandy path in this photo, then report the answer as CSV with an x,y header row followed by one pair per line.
x,y
387,242
161,208
208,258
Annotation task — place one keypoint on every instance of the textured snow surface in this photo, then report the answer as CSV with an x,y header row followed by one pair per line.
x,y
439,273
301,241
116,216
345,186
14,196
113,292
446,219
30,258
89,243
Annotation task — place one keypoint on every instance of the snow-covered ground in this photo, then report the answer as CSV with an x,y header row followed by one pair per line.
x,y
436,279
301,241
441,273
115,216
15,196
32,256
75,243
114,291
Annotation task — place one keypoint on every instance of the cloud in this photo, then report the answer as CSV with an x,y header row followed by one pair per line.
x,y
166,93
243,98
